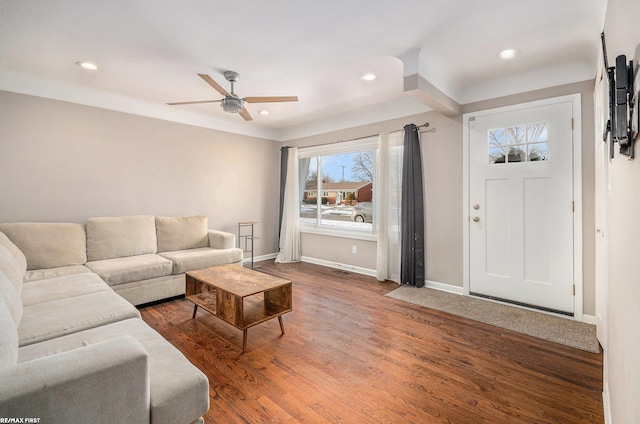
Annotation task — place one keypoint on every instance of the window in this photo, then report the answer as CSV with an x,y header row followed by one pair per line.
x,y
520,143
344,175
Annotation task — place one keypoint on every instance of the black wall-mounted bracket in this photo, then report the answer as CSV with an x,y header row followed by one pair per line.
x,y
622,103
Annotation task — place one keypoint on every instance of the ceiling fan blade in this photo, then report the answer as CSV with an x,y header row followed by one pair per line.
x,y
214,84
272,99
193,103
245,114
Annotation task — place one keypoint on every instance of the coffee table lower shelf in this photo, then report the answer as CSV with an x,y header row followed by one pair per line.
x,y
240,312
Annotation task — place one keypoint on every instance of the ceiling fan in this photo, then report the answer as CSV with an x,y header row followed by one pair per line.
x,y
232,103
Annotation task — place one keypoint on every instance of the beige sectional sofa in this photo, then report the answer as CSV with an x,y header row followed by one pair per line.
x,y
142,258
73,348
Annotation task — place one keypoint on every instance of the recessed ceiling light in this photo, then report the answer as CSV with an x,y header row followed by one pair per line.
x,y
368,77
508,54
87,65
264,112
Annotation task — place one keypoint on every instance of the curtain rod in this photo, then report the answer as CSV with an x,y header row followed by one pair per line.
x,y
425,125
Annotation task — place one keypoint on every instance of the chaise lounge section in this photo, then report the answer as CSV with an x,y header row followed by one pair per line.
x,y
73,347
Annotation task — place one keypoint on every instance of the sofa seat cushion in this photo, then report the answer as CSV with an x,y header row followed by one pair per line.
x,y
62,287
49,245
48,320
189,232
179,391
119,237
133,268
43,274
145,291
204,257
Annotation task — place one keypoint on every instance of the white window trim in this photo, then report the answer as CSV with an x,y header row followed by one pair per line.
x,y
368,143
340,147
338,232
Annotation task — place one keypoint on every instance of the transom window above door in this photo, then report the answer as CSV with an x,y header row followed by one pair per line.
x,y
519,143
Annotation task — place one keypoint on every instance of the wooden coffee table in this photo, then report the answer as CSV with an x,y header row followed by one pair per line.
x,y
239,296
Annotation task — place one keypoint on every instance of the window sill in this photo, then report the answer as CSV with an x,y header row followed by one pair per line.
x,y
342,233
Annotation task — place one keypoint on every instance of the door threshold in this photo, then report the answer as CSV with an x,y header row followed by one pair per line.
x,y
522,304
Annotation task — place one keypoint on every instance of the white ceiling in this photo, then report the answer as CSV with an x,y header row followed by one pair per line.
x,y
150,52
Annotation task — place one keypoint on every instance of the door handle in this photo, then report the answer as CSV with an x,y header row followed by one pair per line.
x,y
476,219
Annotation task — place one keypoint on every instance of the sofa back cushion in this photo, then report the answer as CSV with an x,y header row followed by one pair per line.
x,y
118,237
49,245
8,337
180,233
11,268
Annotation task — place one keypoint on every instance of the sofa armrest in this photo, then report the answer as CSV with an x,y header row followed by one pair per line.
x,y
107,382
221,239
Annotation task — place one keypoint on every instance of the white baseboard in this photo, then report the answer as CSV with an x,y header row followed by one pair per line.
x,y
365,271
337,265
589,319
449,288
606,404
260,258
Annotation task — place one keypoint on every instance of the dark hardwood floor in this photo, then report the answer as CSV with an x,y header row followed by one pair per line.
x,y
352,355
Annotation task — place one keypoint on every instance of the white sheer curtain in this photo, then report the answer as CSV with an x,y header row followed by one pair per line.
x,y
390,151
290,231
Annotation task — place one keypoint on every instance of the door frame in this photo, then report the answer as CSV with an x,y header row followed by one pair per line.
x,y
575,99
601,201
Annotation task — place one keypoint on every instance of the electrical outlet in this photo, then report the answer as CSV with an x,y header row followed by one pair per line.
x,y
354,249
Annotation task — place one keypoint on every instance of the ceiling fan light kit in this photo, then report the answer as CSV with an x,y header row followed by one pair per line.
x,y
232,103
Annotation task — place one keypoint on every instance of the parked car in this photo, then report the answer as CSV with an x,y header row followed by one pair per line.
x,y
363,212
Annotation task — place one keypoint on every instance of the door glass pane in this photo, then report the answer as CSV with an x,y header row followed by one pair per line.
x,y
516,135
526,143
537,152
516,154
497,137
497,155
537,132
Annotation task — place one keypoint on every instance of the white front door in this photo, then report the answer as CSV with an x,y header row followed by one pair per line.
x,y
521,206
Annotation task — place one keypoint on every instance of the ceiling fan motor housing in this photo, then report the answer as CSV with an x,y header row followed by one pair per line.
x,y
232,104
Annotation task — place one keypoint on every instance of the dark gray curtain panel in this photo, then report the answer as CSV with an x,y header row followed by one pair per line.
x,y
412,216
284,158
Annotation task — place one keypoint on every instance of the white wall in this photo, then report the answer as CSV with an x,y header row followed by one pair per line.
x,y
622,28
63,162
